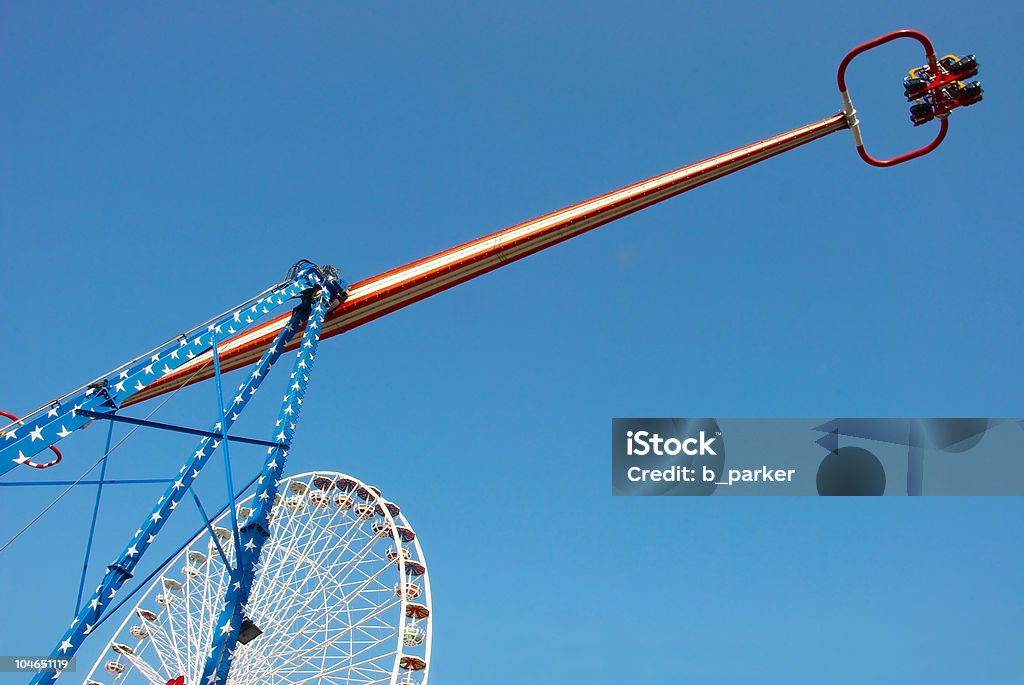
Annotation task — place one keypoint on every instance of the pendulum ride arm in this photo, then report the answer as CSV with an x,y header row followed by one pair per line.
x,y
380,295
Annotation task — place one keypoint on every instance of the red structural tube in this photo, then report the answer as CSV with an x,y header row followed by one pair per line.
x,y
33,464
841,80
390,291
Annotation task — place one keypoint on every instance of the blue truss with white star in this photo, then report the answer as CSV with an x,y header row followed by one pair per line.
x,y
318,290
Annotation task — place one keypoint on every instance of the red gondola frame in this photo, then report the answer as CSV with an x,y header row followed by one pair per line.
x,y
851,112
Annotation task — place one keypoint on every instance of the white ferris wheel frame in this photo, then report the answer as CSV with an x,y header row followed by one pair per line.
x,y
199,629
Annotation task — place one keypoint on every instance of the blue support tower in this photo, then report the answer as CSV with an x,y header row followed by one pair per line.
x,y
256,530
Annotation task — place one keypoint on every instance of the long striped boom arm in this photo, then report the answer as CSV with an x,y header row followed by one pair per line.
x,y
374,297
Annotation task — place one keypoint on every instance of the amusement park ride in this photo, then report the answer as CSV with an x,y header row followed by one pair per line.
x,y
227,579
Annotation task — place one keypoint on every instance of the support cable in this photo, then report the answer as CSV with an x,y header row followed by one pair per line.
x,y
95,513
113,481
209,529
116,418
227,456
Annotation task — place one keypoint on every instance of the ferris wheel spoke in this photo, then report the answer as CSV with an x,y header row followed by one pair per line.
x,y
352,529
201,629
291,633
176,632
328,588
330,603
332,584
195,614
137,660
162,647
351,567
293,649
297,642
365,664
333,676
278,556
144,669
198,617
285,558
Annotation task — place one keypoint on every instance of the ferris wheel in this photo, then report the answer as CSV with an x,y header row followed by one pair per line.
x,y
341,595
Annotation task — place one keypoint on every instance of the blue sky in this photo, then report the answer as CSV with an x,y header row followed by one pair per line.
x,y
161,164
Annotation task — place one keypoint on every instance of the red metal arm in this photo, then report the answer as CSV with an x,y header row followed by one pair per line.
x,y
390,291
851,113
